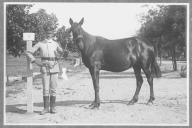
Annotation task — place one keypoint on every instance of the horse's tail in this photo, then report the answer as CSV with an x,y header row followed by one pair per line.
x,y
155,67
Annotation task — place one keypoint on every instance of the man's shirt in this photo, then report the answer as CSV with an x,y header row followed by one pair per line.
x,y
48,49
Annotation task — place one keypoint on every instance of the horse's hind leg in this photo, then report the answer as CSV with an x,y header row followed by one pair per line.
x,y
150,81
139,81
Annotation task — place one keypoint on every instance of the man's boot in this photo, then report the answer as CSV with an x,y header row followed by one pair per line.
x,y
52,104
46,105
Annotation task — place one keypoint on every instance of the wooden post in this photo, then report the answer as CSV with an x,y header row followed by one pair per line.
x,y
29,82
29,37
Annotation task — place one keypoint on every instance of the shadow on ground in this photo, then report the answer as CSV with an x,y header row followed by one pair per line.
x,y
16,108
167,74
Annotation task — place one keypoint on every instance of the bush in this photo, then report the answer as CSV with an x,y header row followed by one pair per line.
x,y
183,72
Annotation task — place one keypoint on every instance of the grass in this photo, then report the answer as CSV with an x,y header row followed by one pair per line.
x,y
18,66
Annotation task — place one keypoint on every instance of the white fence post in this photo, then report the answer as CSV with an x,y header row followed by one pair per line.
x,y
29,37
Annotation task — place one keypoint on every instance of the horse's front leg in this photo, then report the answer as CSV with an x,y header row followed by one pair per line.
x,y
95,78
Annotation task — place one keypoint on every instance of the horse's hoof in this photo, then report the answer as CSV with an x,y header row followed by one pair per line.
x,y
131,103
150,101
94,105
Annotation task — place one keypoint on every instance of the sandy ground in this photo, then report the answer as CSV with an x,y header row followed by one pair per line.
x,y
116,89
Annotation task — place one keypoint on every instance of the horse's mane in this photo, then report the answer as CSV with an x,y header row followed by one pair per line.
x,y
89,37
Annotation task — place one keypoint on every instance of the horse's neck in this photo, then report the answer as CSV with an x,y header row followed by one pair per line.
x,y
88,36
88,41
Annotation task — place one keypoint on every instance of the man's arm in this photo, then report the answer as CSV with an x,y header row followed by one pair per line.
x,y
30,55
59,48
59,51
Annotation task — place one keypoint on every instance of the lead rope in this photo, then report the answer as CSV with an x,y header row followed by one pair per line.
x,y
65,50
60,57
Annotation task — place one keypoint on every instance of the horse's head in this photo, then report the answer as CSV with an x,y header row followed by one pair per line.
x,y
76,28
77,32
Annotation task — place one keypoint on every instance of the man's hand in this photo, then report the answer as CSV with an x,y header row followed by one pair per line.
x,y
29,56
65,53
40,64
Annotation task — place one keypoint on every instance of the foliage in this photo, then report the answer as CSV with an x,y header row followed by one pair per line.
x,y
183,72
43,22
64,38
165,27
19,20
17,23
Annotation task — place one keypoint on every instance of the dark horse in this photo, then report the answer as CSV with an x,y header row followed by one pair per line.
x,y
119,55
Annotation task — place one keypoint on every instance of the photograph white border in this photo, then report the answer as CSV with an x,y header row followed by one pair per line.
x,y
188,71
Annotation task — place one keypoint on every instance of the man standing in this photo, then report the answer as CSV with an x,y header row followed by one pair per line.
x,y
49,49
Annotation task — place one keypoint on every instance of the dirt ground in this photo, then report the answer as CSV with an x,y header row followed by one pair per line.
x,y
116,89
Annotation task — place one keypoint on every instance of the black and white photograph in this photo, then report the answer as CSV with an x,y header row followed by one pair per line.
x,y
98,64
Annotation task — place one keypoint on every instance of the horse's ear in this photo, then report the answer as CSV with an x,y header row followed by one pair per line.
x,y
81,22
70,21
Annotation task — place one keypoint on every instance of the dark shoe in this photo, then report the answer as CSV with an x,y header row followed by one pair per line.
x,y
52,104
46,105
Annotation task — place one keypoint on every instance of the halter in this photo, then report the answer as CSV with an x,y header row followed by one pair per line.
x,y
78,37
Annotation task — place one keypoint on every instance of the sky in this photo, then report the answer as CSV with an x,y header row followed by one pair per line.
x,y
110,20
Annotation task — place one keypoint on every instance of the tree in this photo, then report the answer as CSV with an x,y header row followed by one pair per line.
x,y
19,21
43,22
64,38
16,24
165,27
